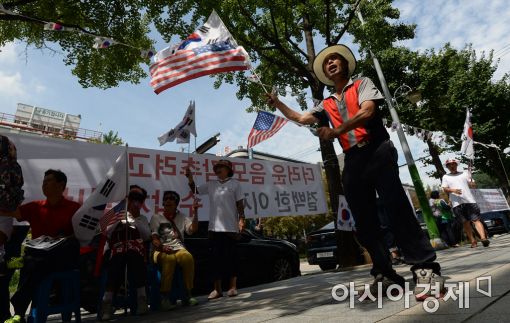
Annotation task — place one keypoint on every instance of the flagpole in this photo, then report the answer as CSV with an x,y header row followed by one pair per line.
x,y
259,80
501,161
126,227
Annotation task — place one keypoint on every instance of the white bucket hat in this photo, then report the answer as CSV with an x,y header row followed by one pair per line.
x,y
343,51
451,161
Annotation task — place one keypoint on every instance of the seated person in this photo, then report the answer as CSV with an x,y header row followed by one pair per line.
x,y
51,217
128,253
167,240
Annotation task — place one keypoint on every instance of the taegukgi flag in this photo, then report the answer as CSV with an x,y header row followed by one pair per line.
x,y
112,188
344,216
209,50
183,131
467,148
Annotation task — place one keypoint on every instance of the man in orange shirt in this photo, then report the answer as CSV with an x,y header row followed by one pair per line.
x,y
370,168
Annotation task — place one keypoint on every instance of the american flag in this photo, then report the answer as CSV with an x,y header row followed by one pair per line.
x,y
115,214
186,65
266,125
209,50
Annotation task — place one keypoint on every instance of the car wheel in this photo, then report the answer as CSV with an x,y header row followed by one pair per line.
x,y
281,269
327,266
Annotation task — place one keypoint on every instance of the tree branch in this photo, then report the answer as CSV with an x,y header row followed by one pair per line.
x,y
346,25
10,5
299,66
328,28
289,38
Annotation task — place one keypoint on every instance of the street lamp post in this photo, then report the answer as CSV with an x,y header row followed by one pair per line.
x,y
413,170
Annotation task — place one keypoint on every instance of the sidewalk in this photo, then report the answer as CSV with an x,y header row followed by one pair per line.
x,y
308,298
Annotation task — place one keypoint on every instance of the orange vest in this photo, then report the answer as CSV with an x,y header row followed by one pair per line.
x,y
337,116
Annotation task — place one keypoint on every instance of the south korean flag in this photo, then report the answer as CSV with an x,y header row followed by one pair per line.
x,y
112,188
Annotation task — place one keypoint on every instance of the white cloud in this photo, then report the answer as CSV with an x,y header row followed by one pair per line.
x,y
39,88
8,54
11,85
479,22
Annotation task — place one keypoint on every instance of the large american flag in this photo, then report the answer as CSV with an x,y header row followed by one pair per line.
x,y
114,215
188,64
266,125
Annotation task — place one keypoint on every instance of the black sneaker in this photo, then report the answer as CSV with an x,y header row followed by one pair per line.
x,y
486,243
397,261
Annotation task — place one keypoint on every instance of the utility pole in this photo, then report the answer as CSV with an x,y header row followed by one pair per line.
x,y
413,170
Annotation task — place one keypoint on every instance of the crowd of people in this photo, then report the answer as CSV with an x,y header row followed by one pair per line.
x,y
371,174
133,242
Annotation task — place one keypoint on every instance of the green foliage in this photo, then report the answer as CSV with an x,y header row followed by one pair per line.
x,y
279,35
111,138
294,226
451,80
124,21
484,180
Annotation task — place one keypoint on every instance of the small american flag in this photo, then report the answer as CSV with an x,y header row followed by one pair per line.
x,y
266,125
115,214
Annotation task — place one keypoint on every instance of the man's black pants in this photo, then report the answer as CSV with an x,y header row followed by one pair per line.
x,y
370,169
12,249
37,265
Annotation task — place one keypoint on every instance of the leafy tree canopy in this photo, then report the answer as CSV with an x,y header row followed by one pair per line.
x,y
282,36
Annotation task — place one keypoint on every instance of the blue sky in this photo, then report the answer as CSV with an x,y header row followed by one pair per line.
x,y
140,116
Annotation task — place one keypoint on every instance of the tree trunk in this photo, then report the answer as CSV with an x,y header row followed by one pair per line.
x,y
348,251
436,161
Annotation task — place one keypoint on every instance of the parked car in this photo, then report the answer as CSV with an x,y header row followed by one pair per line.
x,y
321,247
496,221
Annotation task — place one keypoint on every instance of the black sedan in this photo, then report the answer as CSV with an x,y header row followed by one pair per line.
x,y
261,259
321,247
496,221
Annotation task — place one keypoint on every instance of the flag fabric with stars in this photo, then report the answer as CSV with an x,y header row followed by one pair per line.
x,y
266,125
209,50
113,216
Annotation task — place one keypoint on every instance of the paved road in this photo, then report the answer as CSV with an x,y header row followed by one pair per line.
x,y
308,298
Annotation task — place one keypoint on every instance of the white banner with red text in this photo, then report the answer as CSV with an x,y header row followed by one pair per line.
x,y
490,199
270,188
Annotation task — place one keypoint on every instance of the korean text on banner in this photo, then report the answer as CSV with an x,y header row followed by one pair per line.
x,y
271,188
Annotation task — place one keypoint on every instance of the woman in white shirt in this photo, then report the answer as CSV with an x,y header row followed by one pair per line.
x,y
226,220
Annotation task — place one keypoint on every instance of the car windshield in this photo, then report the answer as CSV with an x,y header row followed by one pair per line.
x,y
329,226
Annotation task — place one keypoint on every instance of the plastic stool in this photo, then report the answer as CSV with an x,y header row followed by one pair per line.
x,y
69,282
